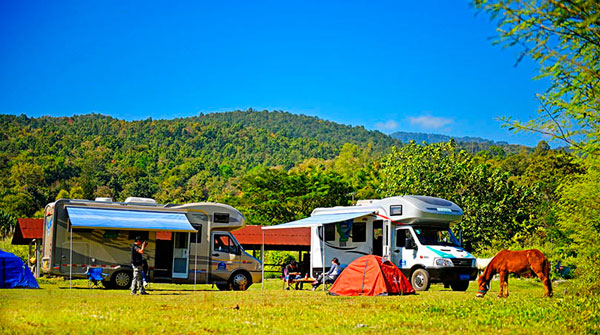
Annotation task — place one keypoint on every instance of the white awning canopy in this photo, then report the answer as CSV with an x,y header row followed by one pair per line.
x,y
318,220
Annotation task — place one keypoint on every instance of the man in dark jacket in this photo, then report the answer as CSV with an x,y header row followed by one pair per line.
x,y
137,263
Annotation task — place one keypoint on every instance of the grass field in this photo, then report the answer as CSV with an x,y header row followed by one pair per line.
x,y
179,309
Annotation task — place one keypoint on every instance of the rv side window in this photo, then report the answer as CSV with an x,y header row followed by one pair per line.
x,y
396,210
401,236
359,232
329,232
221,217
223,243
198,236
181,241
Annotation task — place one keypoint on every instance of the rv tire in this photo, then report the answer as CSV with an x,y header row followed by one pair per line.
x,y
240,281
420,280
461,285
121,280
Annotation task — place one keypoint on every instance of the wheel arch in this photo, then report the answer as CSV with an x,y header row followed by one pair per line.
x,y
241,271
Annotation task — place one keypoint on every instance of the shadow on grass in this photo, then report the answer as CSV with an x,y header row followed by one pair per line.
x,y
172,292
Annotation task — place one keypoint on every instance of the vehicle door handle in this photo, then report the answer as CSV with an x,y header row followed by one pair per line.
x,y
215,254
397,250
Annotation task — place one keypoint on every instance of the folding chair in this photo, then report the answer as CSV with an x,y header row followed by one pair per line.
x,y
95,276
283,275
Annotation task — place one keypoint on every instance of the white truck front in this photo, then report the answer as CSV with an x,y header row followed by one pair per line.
x,y
423,245
431,254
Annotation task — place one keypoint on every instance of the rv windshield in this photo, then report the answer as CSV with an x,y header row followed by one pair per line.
x,y
436,236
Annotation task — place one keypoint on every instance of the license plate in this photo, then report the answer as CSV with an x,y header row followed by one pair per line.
x,y
464,277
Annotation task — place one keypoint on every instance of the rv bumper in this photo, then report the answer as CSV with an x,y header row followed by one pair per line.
x,y
448,274
256,277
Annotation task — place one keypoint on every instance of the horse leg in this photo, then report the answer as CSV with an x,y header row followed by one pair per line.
x,y
542,271
503,283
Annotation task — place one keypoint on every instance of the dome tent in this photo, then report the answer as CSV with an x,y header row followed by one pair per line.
x,y
14,273
371,275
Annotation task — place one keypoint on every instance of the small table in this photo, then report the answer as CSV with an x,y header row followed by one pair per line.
x,y
302,281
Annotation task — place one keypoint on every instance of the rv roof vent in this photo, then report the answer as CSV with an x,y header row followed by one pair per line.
x,y
140,201
104,199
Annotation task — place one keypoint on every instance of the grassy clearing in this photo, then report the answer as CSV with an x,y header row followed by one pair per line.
x,y
179,309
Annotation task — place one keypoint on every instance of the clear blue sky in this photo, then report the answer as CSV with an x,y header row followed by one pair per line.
x,y
387,65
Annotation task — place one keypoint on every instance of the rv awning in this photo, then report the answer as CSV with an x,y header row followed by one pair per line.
x,y
95,218
318,220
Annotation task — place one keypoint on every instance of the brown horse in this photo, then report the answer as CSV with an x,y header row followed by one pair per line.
x,y
519,262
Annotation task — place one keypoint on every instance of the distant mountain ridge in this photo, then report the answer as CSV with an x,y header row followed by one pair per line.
x,y
405,137
468,143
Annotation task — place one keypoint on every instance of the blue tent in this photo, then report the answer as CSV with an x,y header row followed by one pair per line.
x,y
14,273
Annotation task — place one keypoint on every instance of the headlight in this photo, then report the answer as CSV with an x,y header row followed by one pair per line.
x,y
443,262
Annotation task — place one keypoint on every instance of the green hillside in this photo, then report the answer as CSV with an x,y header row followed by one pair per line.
x,y
179,160
302,126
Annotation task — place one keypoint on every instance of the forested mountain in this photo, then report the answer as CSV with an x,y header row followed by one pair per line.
x,y
180,160
302,126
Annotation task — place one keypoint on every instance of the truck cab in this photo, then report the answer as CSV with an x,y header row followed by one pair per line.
x,y
431,253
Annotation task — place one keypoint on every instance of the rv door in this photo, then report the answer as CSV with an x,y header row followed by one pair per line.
x,y
224,251
181,255
404,252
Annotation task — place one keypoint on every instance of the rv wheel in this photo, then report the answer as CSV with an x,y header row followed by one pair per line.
x,y
420,280
240,281
461,285
121,280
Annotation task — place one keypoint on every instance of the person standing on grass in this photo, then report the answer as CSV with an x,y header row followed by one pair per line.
x,y
137,262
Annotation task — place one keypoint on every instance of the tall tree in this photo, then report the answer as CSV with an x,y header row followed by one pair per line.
x,y
495,208
564,38
273,195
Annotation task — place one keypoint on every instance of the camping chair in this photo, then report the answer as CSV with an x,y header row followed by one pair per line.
x,y
329,281
283,275
95,276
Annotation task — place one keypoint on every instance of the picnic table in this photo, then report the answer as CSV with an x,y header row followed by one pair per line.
x,y
302,281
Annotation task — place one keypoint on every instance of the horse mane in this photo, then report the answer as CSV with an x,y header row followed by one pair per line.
x,y
491,268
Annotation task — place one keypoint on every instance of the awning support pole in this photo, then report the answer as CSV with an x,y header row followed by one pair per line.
x,y
196,261
323,253
37,258
71,258
262,260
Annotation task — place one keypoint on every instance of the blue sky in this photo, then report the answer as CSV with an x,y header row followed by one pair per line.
x,y
386,65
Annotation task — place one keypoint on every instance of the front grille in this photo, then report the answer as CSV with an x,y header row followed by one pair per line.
x,y
462,261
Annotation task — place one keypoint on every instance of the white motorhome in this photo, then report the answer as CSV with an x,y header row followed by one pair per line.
x,y
190,243
412,231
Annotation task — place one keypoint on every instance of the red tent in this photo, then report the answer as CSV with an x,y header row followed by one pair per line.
x,y
371,275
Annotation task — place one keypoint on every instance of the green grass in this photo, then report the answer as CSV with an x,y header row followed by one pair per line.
x,y
179,309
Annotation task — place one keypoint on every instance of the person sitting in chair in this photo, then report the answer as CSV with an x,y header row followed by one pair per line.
x,y
292,272
330,276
